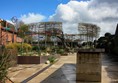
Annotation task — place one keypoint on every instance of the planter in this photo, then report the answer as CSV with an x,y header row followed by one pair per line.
x,y
34,59
88,68
31,59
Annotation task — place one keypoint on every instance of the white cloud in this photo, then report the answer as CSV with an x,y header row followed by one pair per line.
x,y
32,17
10,21
70,28
100,12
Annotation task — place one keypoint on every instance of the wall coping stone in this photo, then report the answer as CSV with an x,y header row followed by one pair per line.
x,y
91,50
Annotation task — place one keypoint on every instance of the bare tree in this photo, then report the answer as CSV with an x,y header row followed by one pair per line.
x,y
88,32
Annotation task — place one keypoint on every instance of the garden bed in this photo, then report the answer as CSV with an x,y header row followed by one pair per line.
x,y
34,59
31,59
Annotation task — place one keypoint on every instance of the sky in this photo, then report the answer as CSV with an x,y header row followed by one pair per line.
x,y
103,13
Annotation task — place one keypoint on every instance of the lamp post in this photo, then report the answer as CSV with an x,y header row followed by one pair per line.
x,y
45,34
14,20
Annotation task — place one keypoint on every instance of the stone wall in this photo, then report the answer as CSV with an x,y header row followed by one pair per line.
x,y
88,66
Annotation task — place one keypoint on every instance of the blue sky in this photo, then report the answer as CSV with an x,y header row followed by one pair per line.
x,y
10,8
70,12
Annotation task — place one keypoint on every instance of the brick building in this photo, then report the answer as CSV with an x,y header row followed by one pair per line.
x,y
8,33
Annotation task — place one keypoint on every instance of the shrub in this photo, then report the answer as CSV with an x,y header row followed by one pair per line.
x,y
42,48
60,51
24,47
35,48
4,65
54,48
48,49
51,59
10,46
17,45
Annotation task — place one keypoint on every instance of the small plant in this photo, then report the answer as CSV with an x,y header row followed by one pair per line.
x,y
52,59
48,49
35,48
88,45
43,48
60,51
27,47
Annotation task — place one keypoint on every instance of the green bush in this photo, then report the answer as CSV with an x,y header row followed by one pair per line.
x,y
20,47
26,47
51,59
42,48
54,48
35,48
11,46
60,51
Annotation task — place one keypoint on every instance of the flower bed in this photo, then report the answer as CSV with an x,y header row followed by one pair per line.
x,y
31,59
35,59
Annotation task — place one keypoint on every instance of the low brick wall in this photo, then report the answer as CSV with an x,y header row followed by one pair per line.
x,y
31,59
34,59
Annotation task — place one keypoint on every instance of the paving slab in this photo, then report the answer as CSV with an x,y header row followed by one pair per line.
x,y
20,72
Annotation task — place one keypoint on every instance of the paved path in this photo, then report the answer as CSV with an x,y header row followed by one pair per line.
x,y
22,72
109,69
64,70
55,73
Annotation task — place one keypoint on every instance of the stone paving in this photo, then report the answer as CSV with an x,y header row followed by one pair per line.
x,y
109,69
63,71
21,72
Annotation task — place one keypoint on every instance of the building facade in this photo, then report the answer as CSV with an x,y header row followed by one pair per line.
x,y
8,33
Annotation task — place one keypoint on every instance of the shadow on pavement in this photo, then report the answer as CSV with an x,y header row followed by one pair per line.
x,y
34,75
111,66
65,74
114,81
